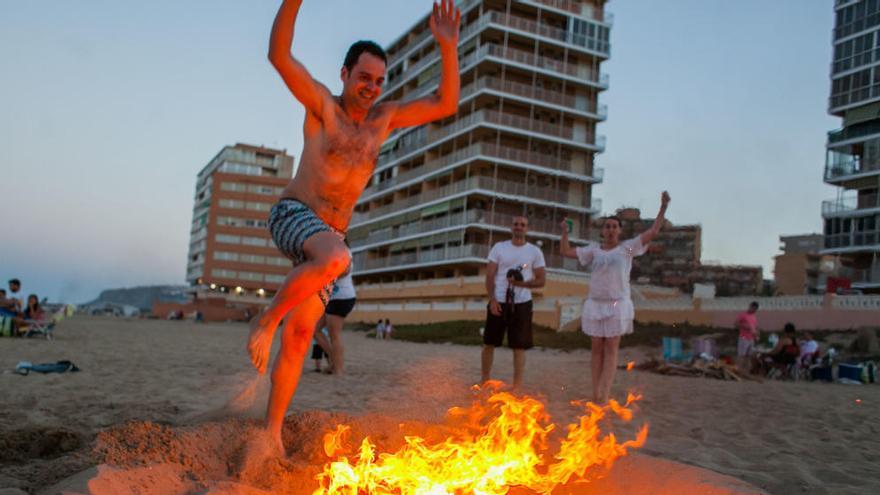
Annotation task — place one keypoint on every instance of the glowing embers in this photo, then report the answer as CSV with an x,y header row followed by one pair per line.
x,y
499,442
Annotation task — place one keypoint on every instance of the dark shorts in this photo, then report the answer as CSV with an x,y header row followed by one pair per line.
x,y
516,322
291,223
317,352
340,307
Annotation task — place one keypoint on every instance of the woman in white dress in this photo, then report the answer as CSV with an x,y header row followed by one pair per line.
x,y
608,311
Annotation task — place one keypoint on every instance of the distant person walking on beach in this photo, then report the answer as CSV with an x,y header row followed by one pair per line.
x,y
608,311
342,136
515,267
747,324
387,329
380,329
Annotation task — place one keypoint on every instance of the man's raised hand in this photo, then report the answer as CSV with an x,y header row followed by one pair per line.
x,y
444,23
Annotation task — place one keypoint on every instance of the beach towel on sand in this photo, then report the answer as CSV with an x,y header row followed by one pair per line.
x,y
25,367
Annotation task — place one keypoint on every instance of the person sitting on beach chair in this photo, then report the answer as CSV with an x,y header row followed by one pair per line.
x,y
785,355
37,322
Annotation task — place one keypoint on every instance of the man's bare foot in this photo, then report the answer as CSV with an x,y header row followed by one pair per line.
x,y
260,343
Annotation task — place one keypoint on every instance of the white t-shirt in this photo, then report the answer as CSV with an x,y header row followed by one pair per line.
x,y
610,269
809,348
343,288
507,256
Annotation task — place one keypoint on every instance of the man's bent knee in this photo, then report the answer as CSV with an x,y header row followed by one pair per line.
x,y
329,252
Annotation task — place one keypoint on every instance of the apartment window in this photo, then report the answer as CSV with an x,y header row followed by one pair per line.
x,y
275,279
277,261
240,168
252,258
227,239
225,256
240,222
254,241
232,187
232,203
267,190
257,206
217,272
252,276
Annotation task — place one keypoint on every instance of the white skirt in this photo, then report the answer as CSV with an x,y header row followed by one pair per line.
x,y
607,318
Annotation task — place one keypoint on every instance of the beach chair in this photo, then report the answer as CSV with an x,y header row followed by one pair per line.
x,y
672,350
45,327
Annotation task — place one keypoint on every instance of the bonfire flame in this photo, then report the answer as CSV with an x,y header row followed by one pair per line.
x,y
497,443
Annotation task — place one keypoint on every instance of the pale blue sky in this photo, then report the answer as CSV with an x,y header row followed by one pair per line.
x,y
109,108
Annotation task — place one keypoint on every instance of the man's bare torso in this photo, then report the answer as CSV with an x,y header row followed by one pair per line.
x,y
339,155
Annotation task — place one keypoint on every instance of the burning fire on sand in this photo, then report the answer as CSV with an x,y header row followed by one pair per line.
x,y
499,442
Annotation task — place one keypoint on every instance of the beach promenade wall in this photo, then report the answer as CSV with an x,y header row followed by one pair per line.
x,y
819,312
562,312
212,309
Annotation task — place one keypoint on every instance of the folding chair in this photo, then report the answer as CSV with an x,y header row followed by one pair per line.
x,y
45,327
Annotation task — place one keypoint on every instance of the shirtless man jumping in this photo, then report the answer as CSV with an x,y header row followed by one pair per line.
x,y
342,136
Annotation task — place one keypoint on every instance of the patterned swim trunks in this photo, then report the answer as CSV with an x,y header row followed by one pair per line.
x,y
291,223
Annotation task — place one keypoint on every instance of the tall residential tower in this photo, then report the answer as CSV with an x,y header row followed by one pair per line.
x,y
524,141
852,219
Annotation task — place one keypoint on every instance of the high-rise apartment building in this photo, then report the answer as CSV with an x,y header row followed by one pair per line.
x,y
852,219
230,248
523,142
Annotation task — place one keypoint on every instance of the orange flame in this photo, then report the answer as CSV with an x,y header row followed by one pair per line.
x,y
630,365
498,442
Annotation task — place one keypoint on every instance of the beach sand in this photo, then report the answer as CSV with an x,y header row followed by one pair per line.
x,y
161,396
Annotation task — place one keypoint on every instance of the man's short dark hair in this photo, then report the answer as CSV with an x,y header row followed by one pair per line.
x,y
359,47
14,281
789,327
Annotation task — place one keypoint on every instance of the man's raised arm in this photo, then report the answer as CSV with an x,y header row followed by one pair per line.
x,y
309,92
444,24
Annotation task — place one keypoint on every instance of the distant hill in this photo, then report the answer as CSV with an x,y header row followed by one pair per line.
x,y
142,297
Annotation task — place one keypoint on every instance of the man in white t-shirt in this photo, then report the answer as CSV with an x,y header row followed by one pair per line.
x,y
515,267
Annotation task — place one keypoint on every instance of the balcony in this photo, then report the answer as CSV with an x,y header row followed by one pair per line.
x,y
867,240
540,95
550,32
461,219
361,263
850,205
488,151
576,7
581,73
862,277
487,184
449,254
846,168
857,131
516,122
534,28
838,102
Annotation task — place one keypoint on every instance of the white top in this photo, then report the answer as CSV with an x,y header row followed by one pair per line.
x,y
507,256
610,269
343,288
809,347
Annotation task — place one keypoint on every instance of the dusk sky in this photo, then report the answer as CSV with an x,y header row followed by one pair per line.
x,y
109,108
